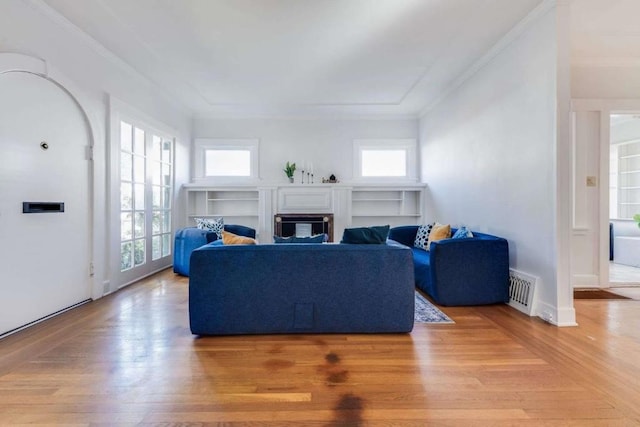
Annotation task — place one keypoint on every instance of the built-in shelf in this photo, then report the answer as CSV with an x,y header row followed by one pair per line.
x,y
351,204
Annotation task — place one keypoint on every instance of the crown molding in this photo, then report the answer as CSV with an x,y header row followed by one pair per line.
x,y
505,41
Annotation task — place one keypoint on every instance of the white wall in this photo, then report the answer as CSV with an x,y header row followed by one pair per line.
x,y
92,73
597,82
326,143
489,154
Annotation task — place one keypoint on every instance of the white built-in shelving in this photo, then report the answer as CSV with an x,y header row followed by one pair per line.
x,y
235,204
628,180
353,205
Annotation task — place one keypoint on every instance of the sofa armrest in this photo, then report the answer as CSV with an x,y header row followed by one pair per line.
x,y
470,271
405,234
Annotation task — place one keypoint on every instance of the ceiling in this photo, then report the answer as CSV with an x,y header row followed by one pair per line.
x,y
275,58
605,33
329,57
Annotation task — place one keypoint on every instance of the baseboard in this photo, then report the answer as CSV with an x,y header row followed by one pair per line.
x,y
558,317
585,281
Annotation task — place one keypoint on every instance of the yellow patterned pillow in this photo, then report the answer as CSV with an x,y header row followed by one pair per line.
x,y
234,239
438,232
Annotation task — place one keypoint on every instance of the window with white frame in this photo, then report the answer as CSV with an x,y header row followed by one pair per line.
x,y
229,160
385,159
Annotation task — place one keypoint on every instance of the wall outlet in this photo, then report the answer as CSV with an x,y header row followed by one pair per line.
x,y
547,316
591,181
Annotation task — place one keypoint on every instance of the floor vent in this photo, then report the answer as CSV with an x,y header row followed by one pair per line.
x,y
522,291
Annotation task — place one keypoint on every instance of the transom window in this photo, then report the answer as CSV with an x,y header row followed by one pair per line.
x,y
385,159
226,160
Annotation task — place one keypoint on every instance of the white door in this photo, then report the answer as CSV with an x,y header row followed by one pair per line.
x,y
44,257
142,206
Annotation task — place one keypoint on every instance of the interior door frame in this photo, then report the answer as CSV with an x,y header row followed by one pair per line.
x,y
17,62
605,107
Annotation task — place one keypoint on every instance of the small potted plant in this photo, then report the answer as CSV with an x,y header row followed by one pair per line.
x,y
289,169
636,218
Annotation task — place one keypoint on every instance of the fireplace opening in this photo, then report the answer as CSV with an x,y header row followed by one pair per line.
x,y
303,225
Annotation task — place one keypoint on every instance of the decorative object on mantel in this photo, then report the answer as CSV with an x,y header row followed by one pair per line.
x,y
332,180
307,166
289,169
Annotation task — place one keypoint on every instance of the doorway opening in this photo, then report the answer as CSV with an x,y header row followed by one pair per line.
x,y
624,200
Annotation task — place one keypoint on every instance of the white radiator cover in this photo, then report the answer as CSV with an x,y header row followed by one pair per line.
x,y
522,288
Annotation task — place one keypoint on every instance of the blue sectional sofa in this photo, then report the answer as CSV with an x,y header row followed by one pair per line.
x,y
301,288
454,272
189,238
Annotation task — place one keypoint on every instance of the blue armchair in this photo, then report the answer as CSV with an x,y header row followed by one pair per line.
x,y
469,271
190,238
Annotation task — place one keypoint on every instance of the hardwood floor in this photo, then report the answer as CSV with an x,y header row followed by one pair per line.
x,y
130,359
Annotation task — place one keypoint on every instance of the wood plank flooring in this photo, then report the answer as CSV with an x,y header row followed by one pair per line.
x,y
130,359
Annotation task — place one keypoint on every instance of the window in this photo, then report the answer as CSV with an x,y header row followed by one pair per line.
x,y
385,160
226,160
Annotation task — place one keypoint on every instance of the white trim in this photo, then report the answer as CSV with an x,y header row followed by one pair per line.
x,y
201,145
409,145
605,107
558,317
585,281
504,42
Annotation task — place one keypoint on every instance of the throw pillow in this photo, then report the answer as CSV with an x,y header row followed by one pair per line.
x,y
439,232
462,233
318,238
366,235
234,239
422,236
211,224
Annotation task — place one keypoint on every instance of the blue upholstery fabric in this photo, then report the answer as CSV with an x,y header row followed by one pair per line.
x,y
366,235
190,238
311,288
318,238
471,271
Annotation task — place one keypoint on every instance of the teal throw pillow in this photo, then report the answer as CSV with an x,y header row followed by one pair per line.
x,y
462,233
366,235
318,238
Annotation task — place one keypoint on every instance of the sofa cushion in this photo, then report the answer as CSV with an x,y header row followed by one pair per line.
x,y
462,233
233,239
211,224
422,236
366,235
438,232
318,238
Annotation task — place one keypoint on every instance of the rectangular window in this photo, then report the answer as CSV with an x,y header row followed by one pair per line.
x,y
385,160
384,163
226,160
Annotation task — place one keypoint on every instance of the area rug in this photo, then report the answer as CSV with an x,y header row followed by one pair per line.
x,y
426,312
596,294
